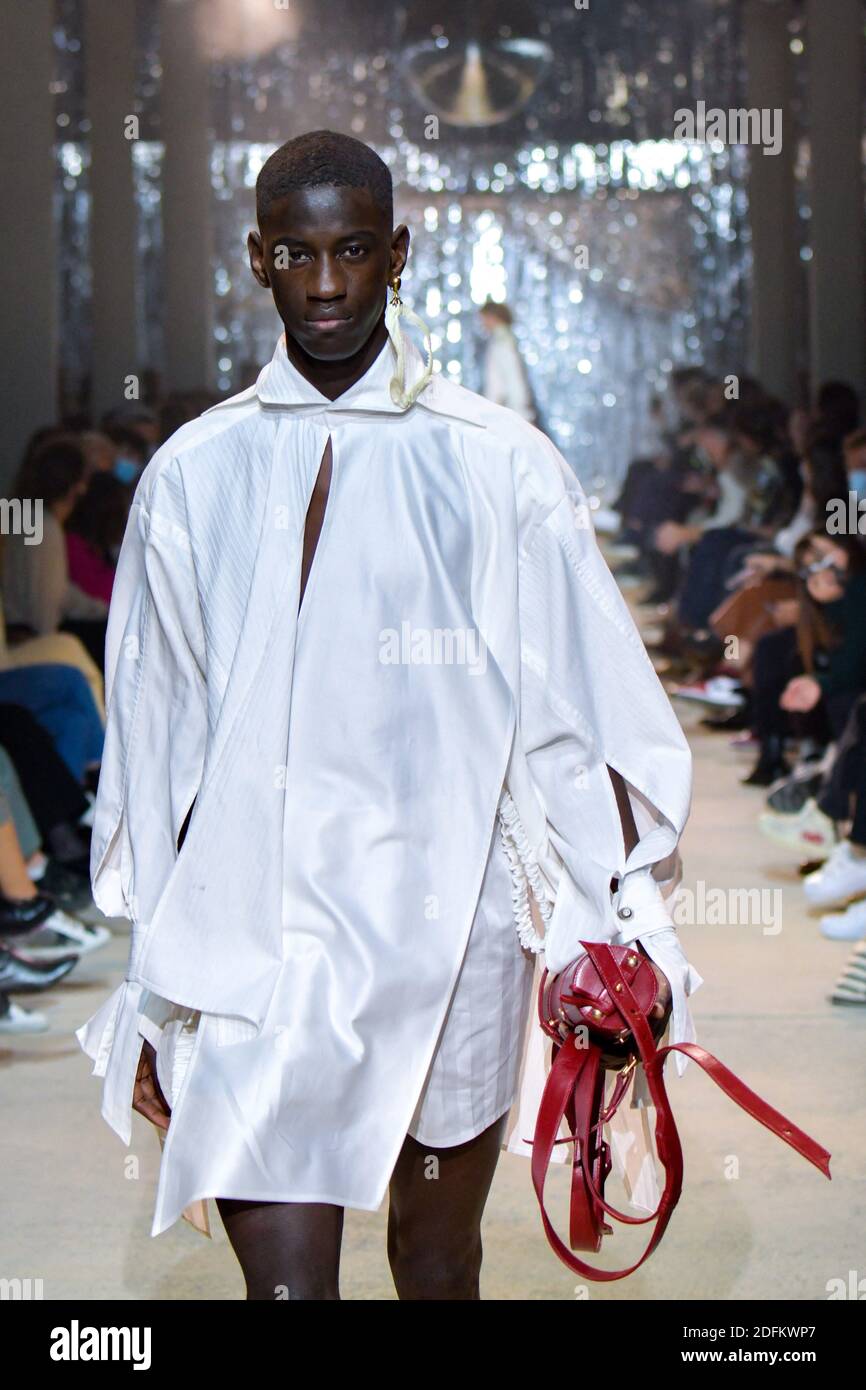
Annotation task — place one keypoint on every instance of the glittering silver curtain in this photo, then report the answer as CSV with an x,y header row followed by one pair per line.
x,y
581,161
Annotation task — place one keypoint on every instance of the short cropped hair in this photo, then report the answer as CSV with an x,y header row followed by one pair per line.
x,y
324,157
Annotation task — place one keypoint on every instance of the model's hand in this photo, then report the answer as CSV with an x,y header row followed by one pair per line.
x,y
663,1005
147,1096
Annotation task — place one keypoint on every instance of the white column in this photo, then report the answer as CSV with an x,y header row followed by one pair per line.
x,y
28,266
776,277
186,200
109,56
837,271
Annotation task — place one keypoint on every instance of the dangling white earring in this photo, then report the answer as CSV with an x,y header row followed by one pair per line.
x,y
393,313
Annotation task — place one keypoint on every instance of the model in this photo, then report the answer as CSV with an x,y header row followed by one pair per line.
x,y
360,625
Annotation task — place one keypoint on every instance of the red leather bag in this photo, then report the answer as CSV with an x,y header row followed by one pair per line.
x,y
605,999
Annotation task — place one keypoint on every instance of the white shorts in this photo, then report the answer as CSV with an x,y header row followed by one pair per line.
x,y
473,1075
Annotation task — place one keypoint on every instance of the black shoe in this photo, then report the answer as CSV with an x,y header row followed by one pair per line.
x,y
732,723
69,888
791,795
21,976
810,751
771,765
21,915
706,645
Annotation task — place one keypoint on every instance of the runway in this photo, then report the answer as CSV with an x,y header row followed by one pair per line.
x,y
78,1206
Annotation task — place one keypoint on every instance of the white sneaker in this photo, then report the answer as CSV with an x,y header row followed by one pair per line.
x,y
849,925
718,690
60,934
14,1019
808,831
842,877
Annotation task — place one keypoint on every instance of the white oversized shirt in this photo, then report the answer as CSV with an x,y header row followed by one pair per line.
x,y
471,636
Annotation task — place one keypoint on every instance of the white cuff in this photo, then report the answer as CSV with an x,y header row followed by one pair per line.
x,y
664,948
639,905
648,921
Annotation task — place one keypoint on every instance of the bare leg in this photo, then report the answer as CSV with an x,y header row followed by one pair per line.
x,y
434,1218
15,882
286,1249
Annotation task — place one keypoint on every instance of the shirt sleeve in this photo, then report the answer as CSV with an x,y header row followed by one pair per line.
x,y
590,701
156,706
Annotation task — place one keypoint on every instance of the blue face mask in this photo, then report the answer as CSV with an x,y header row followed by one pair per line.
x,y
857,481
126,469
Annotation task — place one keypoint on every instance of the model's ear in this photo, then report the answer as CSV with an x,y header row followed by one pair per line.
x,y
399,250
257,259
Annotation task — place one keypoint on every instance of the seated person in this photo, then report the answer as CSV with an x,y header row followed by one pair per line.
x,y
94,532
39,596
816,670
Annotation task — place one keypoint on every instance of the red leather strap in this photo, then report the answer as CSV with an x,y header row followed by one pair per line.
x,y
575,1089
759,1109
737,1090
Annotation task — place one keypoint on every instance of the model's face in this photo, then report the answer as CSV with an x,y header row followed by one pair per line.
x,y
327,255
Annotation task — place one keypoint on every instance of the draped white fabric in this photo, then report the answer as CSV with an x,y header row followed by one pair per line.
x,y
459,629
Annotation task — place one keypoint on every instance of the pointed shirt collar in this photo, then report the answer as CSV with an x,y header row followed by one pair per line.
x,y
280,383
